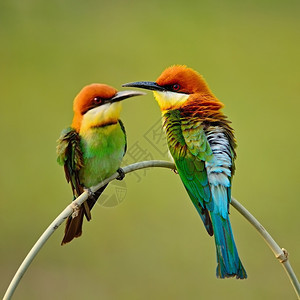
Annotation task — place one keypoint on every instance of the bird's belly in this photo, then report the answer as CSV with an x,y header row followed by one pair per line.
x,y
103,150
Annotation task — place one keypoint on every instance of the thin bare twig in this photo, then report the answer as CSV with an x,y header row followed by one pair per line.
x,y
66,213
279,253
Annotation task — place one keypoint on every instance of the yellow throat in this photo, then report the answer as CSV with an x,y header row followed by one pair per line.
x,y
170,100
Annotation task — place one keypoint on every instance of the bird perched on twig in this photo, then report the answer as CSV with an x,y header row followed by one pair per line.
x,y
92,149
202,143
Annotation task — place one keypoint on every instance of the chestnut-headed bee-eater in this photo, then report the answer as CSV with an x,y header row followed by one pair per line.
x,y
202,144
92,149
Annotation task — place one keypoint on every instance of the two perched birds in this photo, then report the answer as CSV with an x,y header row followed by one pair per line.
x,y
200,140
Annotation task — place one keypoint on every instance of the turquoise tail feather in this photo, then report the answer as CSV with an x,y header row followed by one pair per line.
x,y
229,264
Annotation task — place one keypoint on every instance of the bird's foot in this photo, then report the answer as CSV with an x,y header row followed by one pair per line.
x,y
175,171
121,174
76,209
91,194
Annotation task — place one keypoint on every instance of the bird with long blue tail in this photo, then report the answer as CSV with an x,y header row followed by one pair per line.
x,y
202,144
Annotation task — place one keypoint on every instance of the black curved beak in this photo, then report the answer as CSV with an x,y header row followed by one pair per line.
x,y
122,95
148,85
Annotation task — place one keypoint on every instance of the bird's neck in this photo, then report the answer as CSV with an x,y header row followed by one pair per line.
x,y
101,116
203,106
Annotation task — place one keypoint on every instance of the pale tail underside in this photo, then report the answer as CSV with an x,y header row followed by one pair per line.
x,y
219,171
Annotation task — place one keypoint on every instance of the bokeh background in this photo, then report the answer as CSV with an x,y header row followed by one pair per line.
x,y
153,244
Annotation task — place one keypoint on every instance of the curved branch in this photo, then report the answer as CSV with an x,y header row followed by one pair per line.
x,y
66,213
281,254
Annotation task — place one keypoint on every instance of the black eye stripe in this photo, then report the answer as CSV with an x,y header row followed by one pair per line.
x,y
173,87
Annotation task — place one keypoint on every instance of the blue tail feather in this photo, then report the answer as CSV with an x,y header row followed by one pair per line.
x,y
229,264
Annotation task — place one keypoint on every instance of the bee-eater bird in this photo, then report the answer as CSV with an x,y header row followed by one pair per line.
x,y
92,149
202,144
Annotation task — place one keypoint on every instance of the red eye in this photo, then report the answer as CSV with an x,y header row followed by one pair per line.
x,y
175,87
97,100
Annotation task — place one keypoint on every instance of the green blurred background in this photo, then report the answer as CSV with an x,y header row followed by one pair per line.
x,y
153,245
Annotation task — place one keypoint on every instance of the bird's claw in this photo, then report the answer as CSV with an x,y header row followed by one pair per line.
x,y
175,171
91,194
121,174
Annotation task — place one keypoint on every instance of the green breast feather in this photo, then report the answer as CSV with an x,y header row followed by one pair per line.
x,y
91,157
103,149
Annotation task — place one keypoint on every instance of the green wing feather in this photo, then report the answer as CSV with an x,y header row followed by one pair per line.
x,y
69,155
190,149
